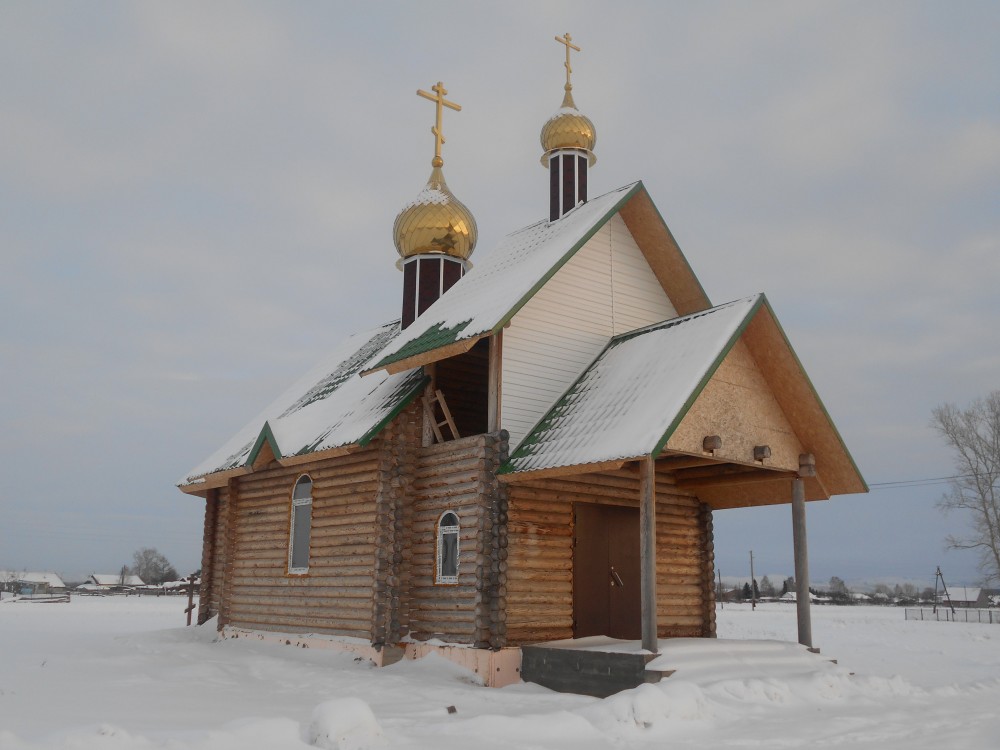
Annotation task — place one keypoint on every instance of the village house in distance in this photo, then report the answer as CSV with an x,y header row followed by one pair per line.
x,y
533,452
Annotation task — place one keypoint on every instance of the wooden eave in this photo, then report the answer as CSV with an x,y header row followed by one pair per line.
x,y
221,478
837,473
432,355
658,246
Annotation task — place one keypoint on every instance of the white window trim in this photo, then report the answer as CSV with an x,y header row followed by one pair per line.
x,y
298,502
441,531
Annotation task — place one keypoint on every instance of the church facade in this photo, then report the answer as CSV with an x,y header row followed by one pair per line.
x,y
533,452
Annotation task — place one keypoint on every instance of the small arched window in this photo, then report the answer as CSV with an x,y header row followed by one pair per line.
x,y
447,549
301,524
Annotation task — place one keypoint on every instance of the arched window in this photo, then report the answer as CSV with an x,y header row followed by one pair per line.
x,y
447,549
301,523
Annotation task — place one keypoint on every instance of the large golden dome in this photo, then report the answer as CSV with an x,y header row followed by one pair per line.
x,y
568,128
435,222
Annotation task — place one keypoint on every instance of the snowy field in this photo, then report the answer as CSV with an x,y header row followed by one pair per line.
x,y
110,673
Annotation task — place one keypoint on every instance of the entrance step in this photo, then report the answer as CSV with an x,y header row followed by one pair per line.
x,y
597,673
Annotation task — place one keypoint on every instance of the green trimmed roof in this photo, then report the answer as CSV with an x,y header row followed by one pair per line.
x,y
331,407
633,396
487,298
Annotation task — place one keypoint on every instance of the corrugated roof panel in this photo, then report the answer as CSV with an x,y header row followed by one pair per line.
x,y
332,406
635,392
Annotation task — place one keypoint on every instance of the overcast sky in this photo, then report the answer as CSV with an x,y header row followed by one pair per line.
x,y
196,202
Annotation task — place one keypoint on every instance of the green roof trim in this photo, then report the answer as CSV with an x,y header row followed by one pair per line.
x,y
266,435
723,353
429,340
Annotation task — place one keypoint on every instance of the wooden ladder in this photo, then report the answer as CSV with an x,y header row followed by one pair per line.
x,y
438,398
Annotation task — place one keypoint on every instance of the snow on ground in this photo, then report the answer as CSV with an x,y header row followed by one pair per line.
x,y
116,673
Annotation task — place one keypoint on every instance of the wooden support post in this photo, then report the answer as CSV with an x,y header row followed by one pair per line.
x,y
493,402
807,467
647,551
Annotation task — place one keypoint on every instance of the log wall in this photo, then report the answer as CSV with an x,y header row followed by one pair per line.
x,y
213,554
457,476
539,586
336,595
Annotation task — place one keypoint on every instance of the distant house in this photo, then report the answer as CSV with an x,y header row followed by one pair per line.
x,y
31,582
110,582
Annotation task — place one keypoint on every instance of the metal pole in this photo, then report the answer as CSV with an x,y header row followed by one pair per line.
x,y
753,585
647,551
801,555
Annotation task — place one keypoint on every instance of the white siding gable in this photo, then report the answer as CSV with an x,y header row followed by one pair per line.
x,y
605,289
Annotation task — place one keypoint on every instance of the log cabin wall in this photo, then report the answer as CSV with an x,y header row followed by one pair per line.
x,y
539,586
397,459
213,554
336,595
457,476
708,568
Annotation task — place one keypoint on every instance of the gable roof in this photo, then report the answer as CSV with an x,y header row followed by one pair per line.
x,y
486,298
52,579
115,579
632,398
330,407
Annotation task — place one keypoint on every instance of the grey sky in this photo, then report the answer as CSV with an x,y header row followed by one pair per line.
x,y
196,202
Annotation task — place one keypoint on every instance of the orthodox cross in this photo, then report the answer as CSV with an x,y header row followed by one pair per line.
x,y
568,41
440,101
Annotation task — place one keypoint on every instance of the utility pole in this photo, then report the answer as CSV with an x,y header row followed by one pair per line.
x,y
753,585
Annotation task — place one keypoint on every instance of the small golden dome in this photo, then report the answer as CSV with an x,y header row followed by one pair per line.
x,y
435,222
568,128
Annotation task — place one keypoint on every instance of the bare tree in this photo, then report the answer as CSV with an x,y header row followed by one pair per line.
x,y
973,434
152,567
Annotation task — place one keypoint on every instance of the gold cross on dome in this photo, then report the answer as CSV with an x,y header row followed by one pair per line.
x,y
568,41
440,101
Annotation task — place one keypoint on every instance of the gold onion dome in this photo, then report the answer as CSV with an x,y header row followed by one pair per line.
x,y
435,222
569,128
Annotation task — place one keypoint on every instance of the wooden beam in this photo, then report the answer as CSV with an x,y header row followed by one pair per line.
x,y
744,477
318,455
684,461
562,471
647,551
495,393
425,358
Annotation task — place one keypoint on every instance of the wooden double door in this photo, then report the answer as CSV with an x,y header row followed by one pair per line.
x,y
606,589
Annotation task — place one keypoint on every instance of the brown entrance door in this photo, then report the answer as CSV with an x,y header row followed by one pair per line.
x,y
606,598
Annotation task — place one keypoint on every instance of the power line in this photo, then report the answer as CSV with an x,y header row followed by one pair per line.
x,y
930,481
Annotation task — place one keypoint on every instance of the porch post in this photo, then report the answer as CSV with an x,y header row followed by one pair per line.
x,y
807,468
647,551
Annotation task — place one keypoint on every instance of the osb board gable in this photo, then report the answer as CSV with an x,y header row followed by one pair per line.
x,y
776,359
738,405
663,254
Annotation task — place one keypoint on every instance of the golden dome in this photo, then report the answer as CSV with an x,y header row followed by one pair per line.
x,y
435,222
568,128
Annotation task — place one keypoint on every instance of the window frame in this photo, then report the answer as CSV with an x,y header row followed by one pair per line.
x,y
293,537
441,529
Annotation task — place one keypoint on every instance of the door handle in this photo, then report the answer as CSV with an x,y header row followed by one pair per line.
x,y
616,580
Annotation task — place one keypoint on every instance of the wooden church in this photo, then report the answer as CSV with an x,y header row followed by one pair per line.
x,y
533,452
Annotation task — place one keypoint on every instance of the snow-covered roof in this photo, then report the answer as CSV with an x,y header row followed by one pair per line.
x,y
330,407
633,396
488,296
23,576
115,579
964,593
